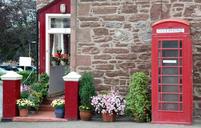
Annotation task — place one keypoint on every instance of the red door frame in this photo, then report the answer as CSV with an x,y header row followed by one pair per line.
x,y
178,117
53,7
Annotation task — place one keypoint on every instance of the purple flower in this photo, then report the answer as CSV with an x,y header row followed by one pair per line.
x,y
112,102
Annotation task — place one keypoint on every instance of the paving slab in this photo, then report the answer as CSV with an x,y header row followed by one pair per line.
x,y
91,124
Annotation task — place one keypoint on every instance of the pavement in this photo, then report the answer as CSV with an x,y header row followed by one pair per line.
x,y
92,124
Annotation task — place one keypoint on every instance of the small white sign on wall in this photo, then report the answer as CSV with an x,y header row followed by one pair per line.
x,y
25,61
170,61
170,30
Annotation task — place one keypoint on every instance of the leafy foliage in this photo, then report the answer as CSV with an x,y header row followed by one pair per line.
x,y
86,89
137,100
39,90
28,77
17,28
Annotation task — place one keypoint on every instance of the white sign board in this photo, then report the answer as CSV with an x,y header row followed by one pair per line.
x,y
25,61
170,30
170,61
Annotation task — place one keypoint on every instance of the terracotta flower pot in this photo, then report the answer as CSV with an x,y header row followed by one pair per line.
x,y
23,112
85,115
108,117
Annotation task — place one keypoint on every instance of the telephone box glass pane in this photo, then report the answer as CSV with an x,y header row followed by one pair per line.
x,y
170,79
169,106
169,88
170,53
170,97
170,44
170,71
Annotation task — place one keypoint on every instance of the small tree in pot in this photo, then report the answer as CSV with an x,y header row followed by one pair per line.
x,y
86,91
137,100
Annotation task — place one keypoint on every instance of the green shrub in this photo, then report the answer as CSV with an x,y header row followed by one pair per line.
x,y
42,85
28,77
137,99
24,94
86,89
36,98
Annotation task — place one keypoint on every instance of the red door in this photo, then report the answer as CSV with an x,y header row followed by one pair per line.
x,y
171,93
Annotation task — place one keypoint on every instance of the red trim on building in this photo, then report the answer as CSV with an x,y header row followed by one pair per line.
x,y
53,7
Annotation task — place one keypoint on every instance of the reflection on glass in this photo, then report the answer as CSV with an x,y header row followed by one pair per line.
x,y
170,44
170,79
169,106
60,22
170,97
170,53
168,88
170,71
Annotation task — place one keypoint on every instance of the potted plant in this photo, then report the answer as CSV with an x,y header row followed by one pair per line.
x,y
58,105
23,105
109,105
137,100
86,91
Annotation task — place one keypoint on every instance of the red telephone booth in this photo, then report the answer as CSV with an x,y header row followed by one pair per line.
x,y
171,72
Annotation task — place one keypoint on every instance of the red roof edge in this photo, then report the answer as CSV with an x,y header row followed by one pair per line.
x,y
172,20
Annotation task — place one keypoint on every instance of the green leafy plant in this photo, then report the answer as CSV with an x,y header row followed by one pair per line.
x,y
86,89
36,98
137,100
28,77
25,94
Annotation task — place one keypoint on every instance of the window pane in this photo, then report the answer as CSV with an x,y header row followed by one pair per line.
x,y
170,79
170,44
170,53
60,22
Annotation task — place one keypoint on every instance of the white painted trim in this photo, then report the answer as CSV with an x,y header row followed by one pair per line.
x,y
72,76
11,75
47,36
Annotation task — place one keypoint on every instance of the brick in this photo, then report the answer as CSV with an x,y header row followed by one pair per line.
x,y
102,39
88,18
127,57
142,48
104,10
104,67
90,50
139,17
90,24
97,73
116,50
129,9
113,18
100,31
103,57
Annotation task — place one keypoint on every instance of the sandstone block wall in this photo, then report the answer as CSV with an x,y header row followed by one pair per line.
x,y
115,37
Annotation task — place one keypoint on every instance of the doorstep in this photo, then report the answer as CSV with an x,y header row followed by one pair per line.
x,y
41,116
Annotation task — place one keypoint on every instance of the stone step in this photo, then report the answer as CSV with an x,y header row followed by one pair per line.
x,y
46,107
41,116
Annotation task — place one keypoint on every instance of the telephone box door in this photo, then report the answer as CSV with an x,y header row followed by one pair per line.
x,y
171,88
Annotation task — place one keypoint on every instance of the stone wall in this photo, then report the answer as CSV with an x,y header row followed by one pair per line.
x,y
114,39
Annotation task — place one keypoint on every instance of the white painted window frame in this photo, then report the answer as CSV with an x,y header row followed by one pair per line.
x,y
52,31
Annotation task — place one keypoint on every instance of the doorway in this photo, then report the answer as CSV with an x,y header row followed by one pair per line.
x,y
57,51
